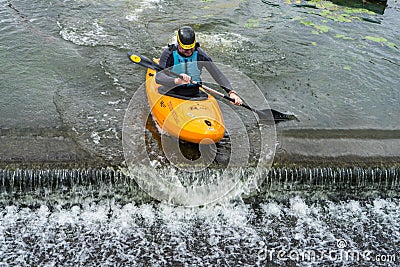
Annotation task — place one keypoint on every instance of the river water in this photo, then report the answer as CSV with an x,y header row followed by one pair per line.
x,y
66,79
66,84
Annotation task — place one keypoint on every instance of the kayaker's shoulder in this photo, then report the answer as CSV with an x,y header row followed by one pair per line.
x,y
171,47
167,52
202,55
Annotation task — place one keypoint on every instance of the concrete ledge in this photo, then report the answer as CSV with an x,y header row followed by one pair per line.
x,y
26,147
347,147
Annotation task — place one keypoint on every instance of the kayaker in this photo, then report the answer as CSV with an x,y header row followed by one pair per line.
x,y
188,59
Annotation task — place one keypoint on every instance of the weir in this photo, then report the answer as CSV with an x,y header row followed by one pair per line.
x,y
354,181
111,182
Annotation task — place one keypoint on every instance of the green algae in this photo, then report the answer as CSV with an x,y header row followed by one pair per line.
x,y
352,10
339,13
376,39
322,28
381,40
317,28
252,23
338,17
344,37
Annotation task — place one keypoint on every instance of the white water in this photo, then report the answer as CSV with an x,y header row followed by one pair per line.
x,y
108,234
100,217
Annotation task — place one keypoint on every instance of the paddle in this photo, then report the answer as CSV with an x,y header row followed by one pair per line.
x,y
264,115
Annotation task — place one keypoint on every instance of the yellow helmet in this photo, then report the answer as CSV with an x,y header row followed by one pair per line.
x,y
186,37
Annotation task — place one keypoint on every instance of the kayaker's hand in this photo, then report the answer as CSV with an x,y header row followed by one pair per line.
x,y
185,79
238,100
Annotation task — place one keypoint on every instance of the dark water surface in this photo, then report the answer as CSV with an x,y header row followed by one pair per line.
x,y
65,76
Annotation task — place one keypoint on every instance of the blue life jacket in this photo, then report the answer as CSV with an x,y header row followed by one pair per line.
x,y
186,65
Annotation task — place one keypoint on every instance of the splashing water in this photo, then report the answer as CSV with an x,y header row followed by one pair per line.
x,y
91,217
109,233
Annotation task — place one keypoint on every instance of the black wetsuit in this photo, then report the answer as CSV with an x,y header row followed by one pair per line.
x,y
203,60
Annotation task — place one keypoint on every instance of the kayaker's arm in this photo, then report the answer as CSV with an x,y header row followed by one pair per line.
x,y
221,79
217,75
166,61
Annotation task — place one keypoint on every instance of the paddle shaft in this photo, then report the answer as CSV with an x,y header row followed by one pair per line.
x,y
263,114
224,96
211,90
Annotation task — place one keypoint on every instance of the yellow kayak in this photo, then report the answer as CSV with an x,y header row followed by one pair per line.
x,y
197,120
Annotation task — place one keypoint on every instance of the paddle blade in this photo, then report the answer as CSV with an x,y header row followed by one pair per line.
x,y
144,61
271,115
